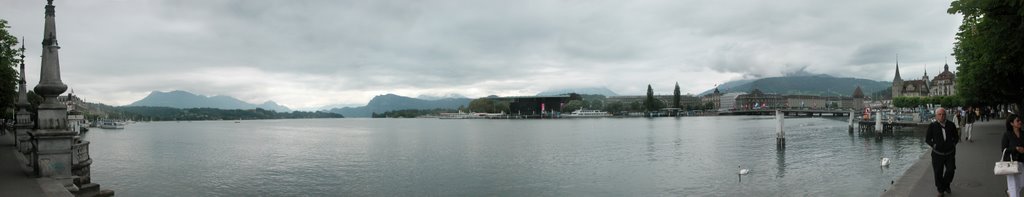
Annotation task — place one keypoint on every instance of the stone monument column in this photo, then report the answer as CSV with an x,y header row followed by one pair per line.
x,y
23,118
53,139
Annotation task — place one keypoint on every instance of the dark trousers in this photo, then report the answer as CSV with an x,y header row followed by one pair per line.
x,y
943,166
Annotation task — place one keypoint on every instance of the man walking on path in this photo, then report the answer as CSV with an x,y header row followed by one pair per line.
x,y
971,117
942,136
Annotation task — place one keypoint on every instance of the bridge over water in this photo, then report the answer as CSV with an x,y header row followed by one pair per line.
x,y
790,112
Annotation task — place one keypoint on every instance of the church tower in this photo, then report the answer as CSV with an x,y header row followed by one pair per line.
x,y
927,82
897,82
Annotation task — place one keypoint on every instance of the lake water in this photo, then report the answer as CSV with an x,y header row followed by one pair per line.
x,y
432,157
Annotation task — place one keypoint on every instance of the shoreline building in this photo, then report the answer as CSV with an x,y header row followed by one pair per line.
x,y
757,99
943,84
715,98
537,105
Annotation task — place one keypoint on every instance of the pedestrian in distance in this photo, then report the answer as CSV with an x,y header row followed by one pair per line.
x,y
943,137
972,116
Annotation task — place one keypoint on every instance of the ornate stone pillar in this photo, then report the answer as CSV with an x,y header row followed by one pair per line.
x,y
23,120
53,140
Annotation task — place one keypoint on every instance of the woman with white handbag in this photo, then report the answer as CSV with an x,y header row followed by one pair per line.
x,y
1013,148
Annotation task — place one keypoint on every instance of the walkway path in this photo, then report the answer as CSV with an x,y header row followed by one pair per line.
x,y
974,163
13,181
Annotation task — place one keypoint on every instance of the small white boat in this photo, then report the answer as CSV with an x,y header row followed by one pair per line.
x,y
587,113
885,161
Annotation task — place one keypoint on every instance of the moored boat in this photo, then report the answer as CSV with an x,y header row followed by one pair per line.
x,y
106,124
587,113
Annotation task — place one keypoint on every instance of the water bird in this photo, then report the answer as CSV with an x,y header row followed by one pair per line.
x,y
885,161
743,171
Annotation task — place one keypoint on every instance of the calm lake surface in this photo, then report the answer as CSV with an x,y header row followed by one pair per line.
x,y
433,157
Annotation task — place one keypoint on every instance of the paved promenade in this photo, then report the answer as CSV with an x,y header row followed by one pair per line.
x,y
12,181
974,163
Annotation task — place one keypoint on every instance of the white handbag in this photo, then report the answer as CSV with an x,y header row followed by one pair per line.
x,y
1006,167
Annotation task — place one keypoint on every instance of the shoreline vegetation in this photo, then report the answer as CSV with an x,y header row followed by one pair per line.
x,y
97,111
144,113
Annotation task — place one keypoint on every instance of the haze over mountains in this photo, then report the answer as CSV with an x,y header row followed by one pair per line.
x,y
792,84
392,102
805,84
183,99
581,90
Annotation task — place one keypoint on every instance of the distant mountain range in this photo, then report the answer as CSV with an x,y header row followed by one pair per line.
x,y
591,90
391,102
434,98
182,99
819,85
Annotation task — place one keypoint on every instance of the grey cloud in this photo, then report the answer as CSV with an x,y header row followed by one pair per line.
x,y
881,52
341,47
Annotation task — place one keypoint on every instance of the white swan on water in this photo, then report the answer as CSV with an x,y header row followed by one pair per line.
x,y
743,171
885,161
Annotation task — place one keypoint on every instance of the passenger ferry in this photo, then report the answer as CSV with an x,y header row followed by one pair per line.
x,y
107,124
587,113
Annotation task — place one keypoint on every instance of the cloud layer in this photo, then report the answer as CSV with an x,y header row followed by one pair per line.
x,y
304,54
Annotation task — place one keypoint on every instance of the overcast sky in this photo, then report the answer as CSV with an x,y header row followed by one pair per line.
x,y
307,53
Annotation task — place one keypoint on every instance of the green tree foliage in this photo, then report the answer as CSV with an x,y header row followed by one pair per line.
x,y
676,97
649,103
615,107
635,106
9,59
593,101
709,106
945,101
167,113
502,106
989,48
594,104
573,105
411,113
486,105
481,105
952,101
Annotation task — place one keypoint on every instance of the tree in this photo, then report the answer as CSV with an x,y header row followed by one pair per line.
x,y
900,102
709,106
8,61
481,105
989,48
573,105
635,106
649,102
675,97
614,107
952,101
502,106
594,104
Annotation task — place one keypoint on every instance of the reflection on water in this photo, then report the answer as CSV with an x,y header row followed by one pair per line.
x,y
416,157
780,163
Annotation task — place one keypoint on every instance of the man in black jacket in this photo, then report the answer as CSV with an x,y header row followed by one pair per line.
x,y
969,127
942,136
